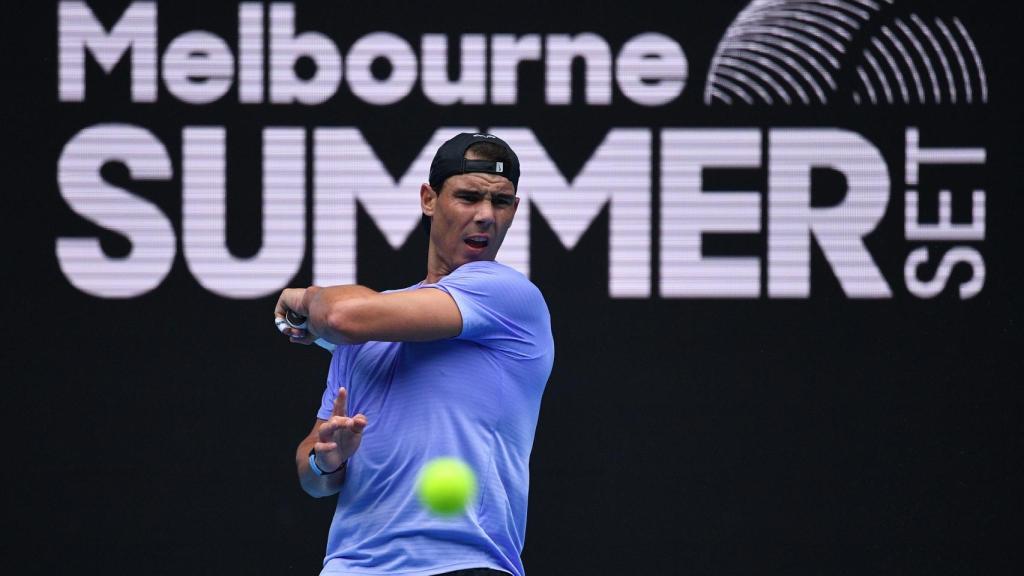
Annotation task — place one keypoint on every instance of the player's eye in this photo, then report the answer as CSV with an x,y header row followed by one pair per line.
x,y
503,201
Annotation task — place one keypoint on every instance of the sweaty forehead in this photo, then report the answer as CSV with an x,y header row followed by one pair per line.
x,y
480,181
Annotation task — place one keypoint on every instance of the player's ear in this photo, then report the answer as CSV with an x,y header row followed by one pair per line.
x,y
427,199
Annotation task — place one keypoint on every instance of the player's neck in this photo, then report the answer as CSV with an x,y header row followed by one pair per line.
x,y
437,267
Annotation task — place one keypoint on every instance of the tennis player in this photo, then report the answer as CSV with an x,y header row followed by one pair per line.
x,y
453,366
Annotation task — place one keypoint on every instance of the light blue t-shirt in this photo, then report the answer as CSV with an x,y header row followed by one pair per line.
x,y
476,397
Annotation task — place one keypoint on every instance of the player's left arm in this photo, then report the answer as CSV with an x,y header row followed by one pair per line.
x,y
356,314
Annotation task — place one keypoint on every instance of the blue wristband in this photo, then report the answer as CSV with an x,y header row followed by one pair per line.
x,y
316,469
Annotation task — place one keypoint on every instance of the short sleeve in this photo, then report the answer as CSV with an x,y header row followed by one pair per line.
x,y
334,381
500,308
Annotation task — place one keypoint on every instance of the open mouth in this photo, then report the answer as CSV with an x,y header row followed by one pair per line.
x,y
477,242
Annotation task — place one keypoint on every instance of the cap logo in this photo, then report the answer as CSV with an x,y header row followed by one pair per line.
x,y
499,166
484,136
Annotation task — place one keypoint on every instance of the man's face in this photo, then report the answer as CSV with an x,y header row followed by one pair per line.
x,y
469,217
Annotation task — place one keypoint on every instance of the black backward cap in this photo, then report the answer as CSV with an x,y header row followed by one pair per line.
x,y
450,160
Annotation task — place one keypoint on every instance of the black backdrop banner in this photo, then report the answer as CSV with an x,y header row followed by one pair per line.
x,y
775,237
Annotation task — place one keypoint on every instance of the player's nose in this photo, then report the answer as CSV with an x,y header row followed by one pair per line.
x,y
484,212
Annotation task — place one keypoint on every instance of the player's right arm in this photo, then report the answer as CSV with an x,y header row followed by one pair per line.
x,y
355,314
332,442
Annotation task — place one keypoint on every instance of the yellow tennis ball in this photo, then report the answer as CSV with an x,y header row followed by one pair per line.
x,y
446,486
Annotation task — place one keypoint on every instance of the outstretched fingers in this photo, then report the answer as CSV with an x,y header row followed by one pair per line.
x,y
328,429
321,447
340,402
358,423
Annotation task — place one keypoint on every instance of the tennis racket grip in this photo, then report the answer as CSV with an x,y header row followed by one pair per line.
x,y
296,320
